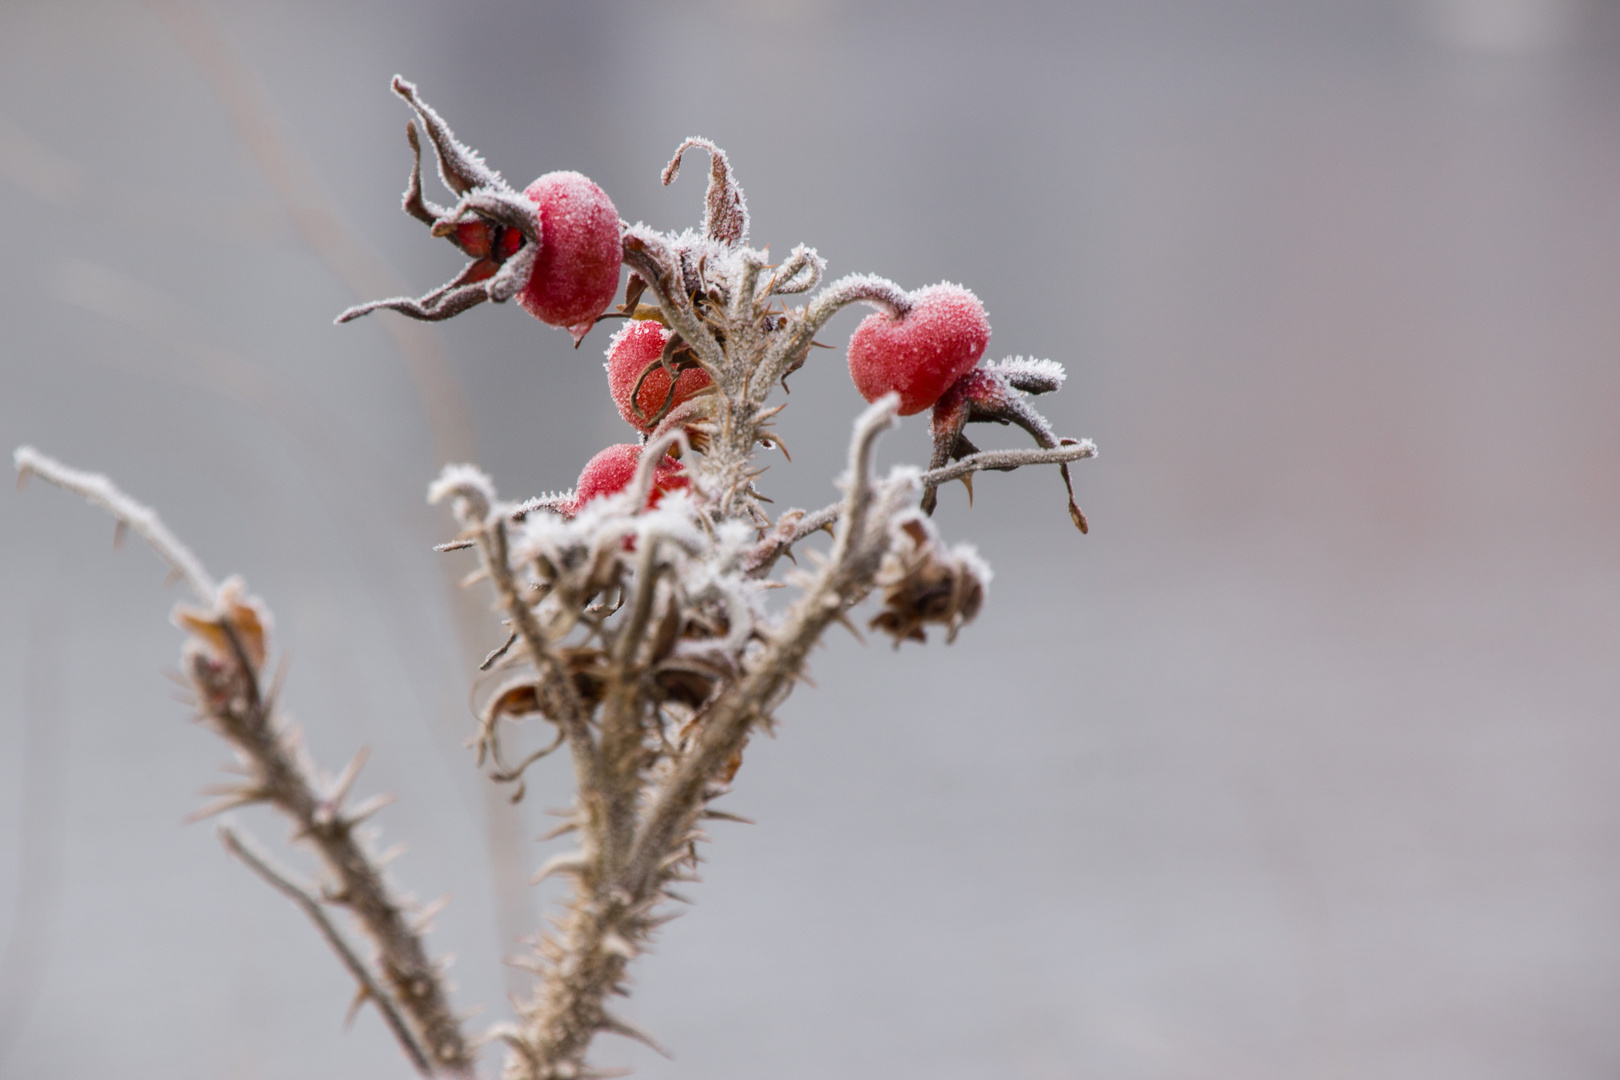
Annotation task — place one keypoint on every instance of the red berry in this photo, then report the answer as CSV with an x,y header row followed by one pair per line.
x,y
611,471
632,351
920,354
576,272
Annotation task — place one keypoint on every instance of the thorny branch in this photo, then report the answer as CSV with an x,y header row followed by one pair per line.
x,y
244,848
224,660
638,622
126,511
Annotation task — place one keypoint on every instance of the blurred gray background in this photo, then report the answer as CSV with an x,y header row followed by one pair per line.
x,y
1305,763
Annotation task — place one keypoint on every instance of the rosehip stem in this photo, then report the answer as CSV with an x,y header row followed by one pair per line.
x,y
1008,460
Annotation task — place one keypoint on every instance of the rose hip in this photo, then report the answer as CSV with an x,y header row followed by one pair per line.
x,y
921,353
636,349
576,271
612,469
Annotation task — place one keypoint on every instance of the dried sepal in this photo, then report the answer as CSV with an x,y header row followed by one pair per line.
x,y
922,582
461,168
238,624
725,210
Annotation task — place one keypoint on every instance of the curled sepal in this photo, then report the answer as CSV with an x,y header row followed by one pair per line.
x,y
461,167
923,583
995,393
799,274
725,211
492,224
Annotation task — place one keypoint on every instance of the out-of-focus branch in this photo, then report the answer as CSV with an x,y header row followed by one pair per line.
x,y
243,847
224,660
128,513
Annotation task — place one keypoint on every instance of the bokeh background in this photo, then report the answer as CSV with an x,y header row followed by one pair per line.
x,y
1304,764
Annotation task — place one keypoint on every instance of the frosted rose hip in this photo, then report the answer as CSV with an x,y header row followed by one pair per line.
x,y
576,271
612,469
555,246
633,350
921,354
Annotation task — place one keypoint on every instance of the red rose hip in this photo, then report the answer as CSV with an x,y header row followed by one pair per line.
x,y
920,354
633,350
576,271
612,469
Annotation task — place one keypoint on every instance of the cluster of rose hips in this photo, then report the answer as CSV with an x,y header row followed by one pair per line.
x,y
556,248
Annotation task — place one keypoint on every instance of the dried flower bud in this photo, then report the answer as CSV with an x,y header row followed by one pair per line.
x,y
238,621
922,582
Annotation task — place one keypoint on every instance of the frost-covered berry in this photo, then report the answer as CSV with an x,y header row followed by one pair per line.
x,y
920,354
612,469
635,350
576,270
555,246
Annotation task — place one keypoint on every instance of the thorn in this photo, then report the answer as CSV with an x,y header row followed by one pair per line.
x,y
426,915
279,677
361,996
721,815
454,545
617,1026
653,922
345,780
569,862
843,620
473,578
967,482
230,802
561,830
615,945
120,528
367,808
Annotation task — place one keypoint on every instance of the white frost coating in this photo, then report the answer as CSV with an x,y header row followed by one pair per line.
x,y
1028,373
799,274
968,555
143,520
470,487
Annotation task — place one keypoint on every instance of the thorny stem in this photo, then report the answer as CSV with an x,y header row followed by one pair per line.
x,y
251,854
640,827
647,633
227,679
725,728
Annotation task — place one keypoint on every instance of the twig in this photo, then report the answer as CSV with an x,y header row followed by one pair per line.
x,y
223,661
1009,459
244,848
129,513
789,532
